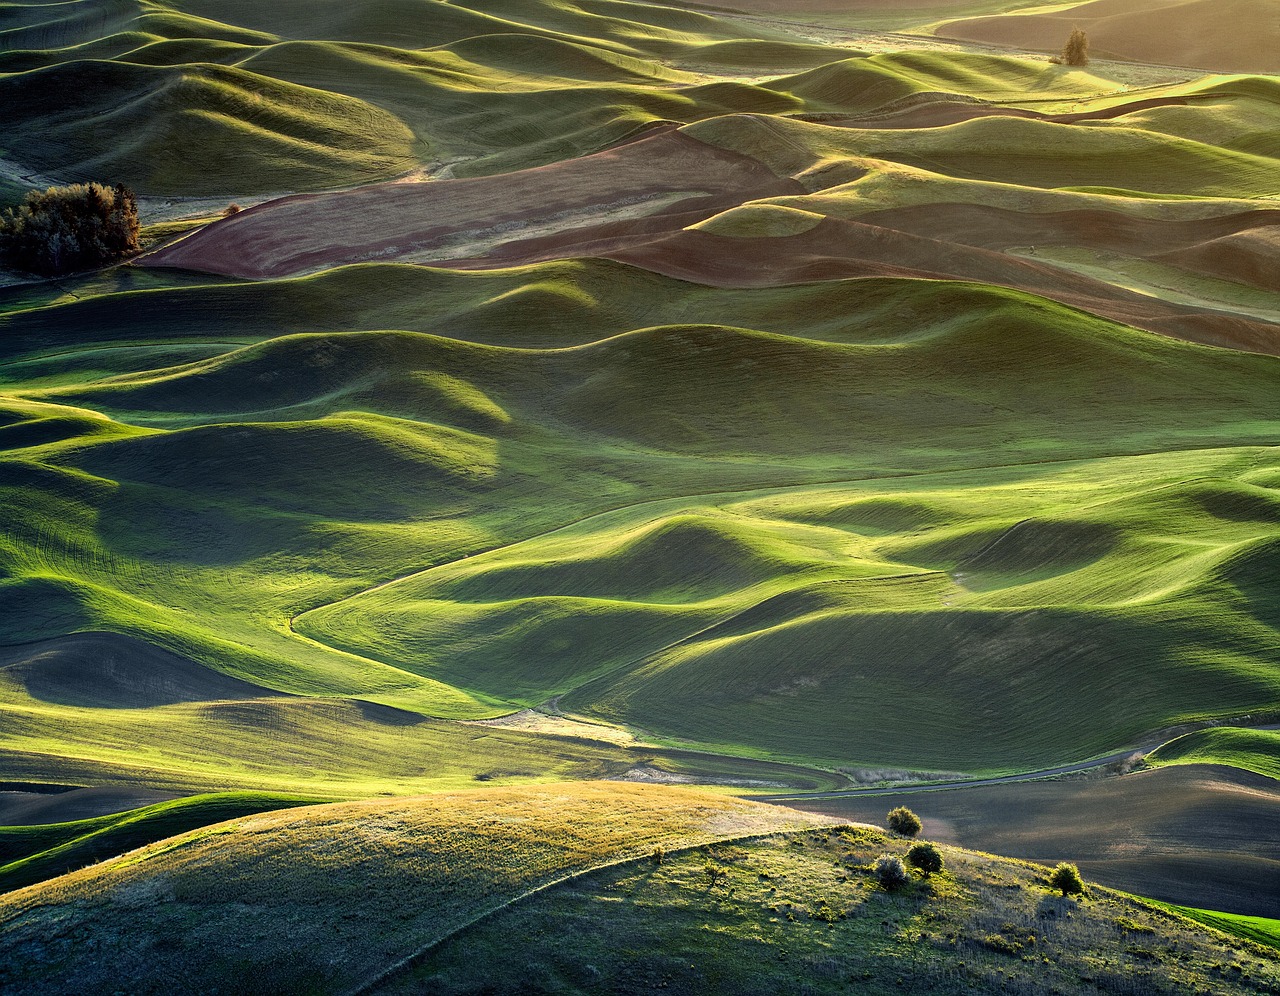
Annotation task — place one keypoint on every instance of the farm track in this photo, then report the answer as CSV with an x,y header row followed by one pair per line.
x,y
1029,776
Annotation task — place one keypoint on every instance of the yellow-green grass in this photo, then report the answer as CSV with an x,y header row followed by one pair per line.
x,y
333,748
323,99
457,889
811,609
801,913
1253,750
235,100
331,896
200,129
226,502
1260,929
31,854
1017,151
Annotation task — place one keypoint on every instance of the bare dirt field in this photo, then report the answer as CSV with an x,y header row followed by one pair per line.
x,y
19,808
662,173
1200,835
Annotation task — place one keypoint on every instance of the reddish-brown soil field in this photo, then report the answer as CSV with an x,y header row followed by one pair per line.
x,y
662,173
1199,835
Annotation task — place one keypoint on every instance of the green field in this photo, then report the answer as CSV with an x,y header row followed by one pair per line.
x,y
1253,928
654,508
958,457
1253,750
596,887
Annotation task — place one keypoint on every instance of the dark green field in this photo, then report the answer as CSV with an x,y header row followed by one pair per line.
x,y
743,399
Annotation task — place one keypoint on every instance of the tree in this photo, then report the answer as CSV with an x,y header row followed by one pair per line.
x,y
1076,51
63,229
903,821
925,857
1067,878
891,873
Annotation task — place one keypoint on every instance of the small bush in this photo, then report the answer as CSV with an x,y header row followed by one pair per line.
x,y
891,873
659,855
1076,51
1067,878
714,873
903,821
231,209
64,229
926,858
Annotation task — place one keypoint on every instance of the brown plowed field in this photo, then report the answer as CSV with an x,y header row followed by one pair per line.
x,y
836,249
34,808
665,172
1199,835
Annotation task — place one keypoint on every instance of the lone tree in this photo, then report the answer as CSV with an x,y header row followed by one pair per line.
x,y
63,229
903,821
1067,878
1076,51
925,857
891,873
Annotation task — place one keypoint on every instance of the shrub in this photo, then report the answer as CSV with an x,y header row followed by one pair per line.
x,y
715,874
891,873
1067,878
925,857
903,821
1076,51
63,229
231,209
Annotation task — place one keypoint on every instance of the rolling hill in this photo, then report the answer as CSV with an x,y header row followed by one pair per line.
x,y
598,886
584,400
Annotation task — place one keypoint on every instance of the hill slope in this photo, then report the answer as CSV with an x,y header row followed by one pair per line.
x,y
392,896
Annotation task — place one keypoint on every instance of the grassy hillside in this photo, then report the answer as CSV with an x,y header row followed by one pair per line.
x,y
382,880
223,98
1254,928
1199,834
1236,35
1252,750
648,393
216,479
37,853
263,487
397,895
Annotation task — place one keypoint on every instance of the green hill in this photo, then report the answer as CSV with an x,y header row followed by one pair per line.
x,y
372,456
1253,750
397,895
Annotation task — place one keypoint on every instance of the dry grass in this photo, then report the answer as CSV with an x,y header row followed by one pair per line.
x,y
326,897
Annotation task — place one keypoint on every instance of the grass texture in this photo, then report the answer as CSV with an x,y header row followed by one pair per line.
x,y
1253,750
36,853
441,888
497,510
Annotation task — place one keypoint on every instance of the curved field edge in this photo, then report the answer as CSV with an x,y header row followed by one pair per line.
x,y
1252,750
1260,929
32,854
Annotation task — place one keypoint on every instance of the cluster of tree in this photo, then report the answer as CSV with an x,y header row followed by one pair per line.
x,y
64,229
1075,52
927,859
